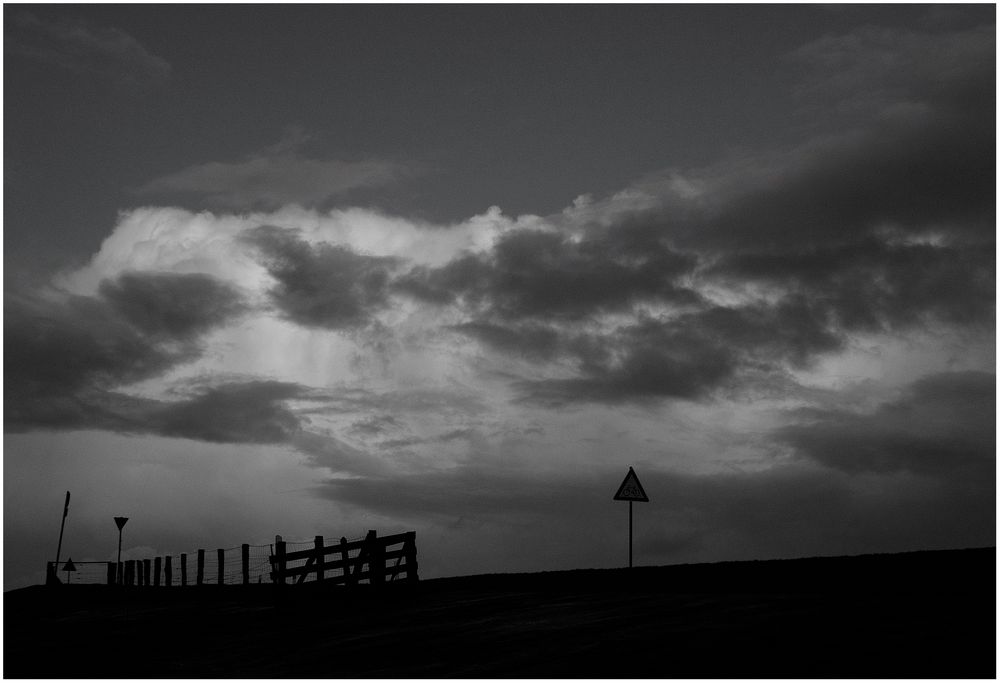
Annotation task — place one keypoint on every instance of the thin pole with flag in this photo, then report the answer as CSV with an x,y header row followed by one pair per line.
x,y
61,528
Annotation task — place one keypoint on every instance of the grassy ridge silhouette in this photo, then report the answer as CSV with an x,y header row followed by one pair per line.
x,y
909,615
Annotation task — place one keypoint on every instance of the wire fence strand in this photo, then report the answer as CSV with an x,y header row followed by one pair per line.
x,y
260,567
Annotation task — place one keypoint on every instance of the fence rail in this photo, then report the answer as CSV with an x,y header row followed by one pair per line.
x,y
365,559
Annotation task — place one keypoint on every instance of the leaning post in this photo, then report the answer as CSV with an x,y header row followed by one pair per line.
x,y
200,575
222,565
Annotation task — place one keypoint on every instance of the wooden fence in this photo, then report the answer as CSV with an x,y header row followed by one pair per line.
x,y
376,560
371,559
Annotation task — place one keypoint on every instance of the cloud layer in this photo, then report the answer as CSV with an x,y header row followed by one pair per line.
x,y
788,343
273,177
82,48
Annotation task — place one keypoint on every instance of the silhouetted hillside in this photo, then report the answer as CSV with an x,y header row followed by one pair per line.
x,y
912,615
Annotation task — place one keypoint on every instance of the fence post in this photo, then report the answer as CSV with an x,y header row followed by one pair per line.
x,y
320,559
200,575
146,570
168,571
184,569
410,549
376,558
129,572
345,559
245,552
156,571
221,554
279,551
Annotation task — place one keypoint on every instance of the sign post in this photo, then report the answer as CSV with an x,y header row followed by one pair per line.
x,y
70,567
119,574
631,490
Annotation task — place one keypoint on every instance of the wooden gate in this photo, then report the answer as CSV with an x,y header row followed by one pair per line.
x,y
377,560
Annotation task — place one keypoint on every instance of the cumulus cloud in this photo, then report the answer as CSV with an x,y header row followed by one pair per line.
x,y
84,48
275,176
689,285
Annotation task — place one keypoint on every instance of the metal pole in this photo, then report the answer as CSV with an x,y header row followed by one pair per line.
x,y
61,527
630,534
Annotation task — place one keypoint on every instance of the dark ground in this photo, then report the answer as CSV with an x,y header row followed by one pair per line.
x,y
911,615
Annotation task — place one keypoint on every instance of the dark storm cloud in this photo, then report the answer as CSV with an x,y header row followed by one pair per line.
x,y
453,435
691,355
64,355
871,285
881,222
324,450
943,425
918,151
84,48
172,305
270,180
916,176
533,341
537,274
375,425
325,285
244,412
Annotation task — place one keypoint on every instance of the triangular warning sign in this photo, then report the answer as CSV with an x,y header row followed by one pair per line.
x,y
120,521
631,489
69,566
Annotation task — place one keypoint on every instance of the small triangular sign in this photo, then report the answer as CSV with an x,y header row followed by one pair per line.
x,y
69,566
120,521
631,489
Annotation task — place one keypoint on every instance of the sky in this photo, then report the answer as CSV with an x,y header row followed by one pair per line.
x,y
453,269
